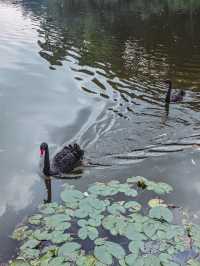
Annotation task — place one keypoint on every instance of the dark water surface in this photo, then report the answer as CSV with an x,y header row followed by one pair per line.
x,y
91,71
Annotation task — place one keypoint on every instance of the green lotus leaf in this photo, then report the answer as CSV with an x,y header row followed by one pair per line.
x,y
91,203
115,249
171,250
131,192
56,220
194,231
103,190
59,261
88,231
165,258
102,254
172,231
52,205
71,195
83,233
179,245
81,213
68,248
132,233
63,226
41,235
72,205
86,261
19,262
35,219
99,241
135,246
82,223
96,216
21,233
116,208
106,202
32,243
95,222
161,213
92,232
115,224
151,260
48,208
123,187
150,229
50,251
29,253
69,212
164,246
98,263
138,218
96,188
192,262
133,206
130,259
58,237
113,183
122,262
159,188
62,209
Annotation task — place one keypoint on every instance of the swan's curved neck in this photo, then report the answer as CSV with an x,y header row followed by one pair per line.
x,y
168,96
46,169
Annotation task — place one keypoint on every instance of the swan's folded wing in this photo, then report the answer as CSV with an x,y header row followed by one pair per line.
x,y
68,158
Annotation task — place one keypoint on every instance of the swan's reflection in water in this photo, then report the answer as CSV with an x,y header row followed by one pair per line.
x,y
47,182
75,174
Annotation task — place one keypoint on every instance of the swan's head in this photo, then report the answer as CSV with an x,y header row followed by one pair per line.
x,y
43,148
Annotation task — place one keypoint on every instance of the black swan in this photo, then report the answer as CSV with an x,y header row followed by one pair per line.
x,y
176,97
63,162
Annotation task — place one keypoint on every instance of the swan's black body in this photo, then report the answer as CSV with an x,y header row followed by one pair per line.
x,y
176,97
63,162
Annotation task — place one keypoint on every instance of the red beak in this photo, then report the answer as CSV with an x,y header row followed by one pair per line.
x,y
41,152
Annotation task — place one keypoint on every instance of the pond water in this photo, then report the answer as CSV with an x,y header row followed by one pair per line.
x,y
91,71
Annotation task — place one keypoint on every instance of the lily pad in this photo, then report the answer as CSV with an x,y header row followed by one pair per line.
x,y
68,248
58,261
102,254
19,262
88,231
116,208
71,195
56,221
193,263
21,233
130,259
132,206
58,237
161,213
32,243
86,261
35,219
115,224
29,253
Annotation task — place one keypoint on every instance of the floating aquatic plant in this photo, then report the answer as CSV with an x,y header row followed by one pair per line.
x,y
94,228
